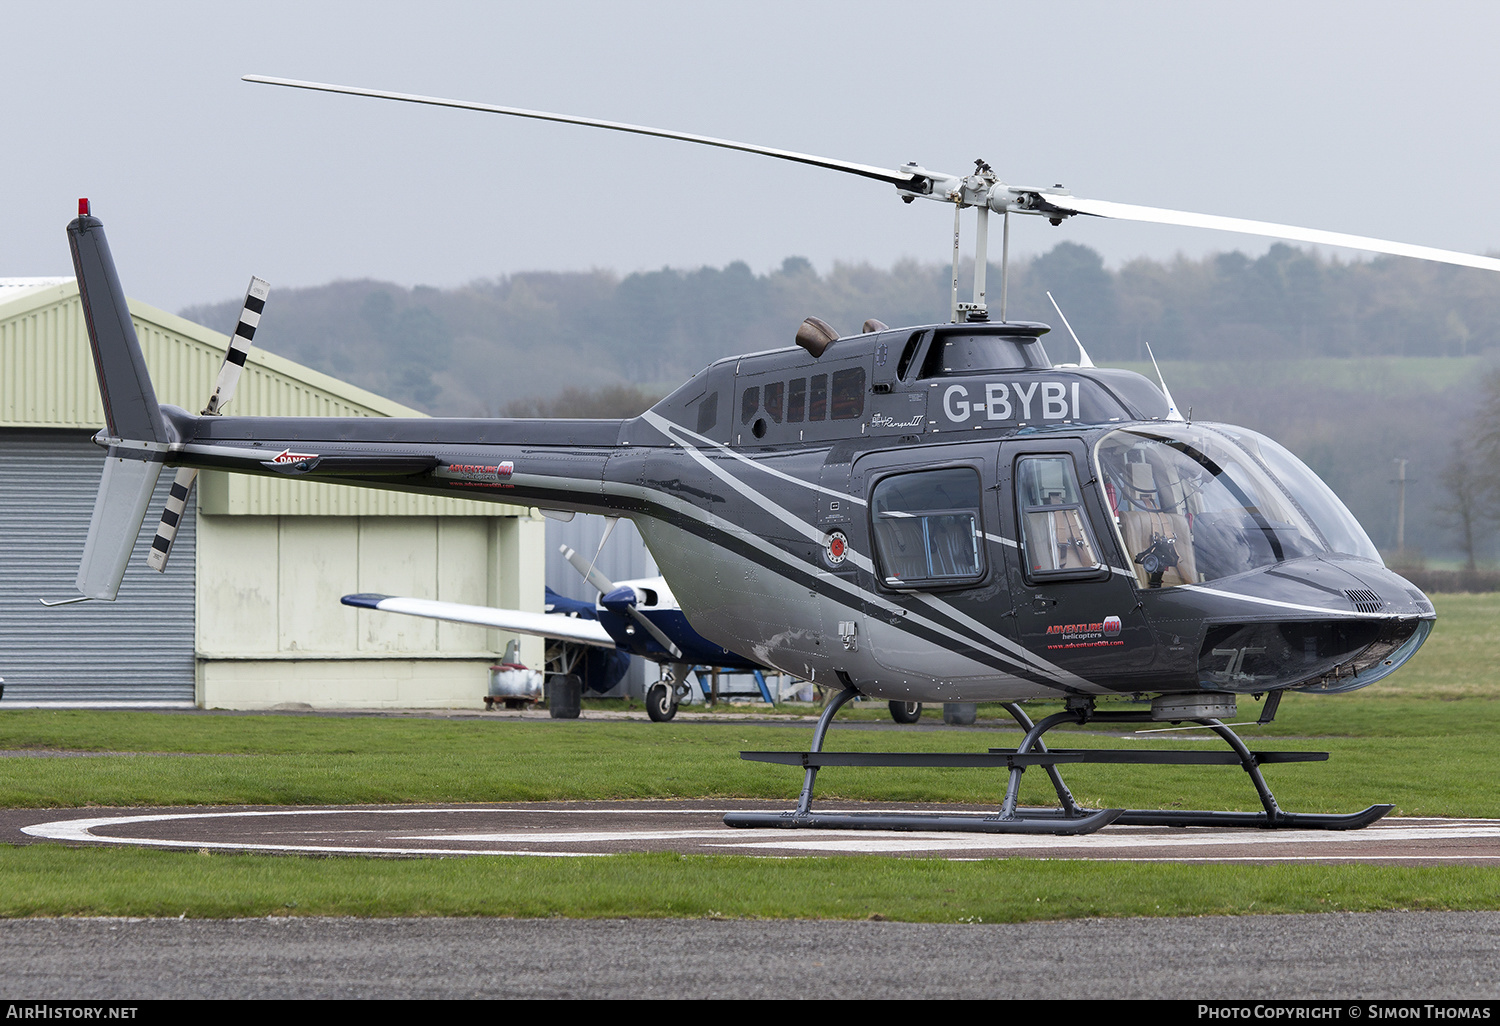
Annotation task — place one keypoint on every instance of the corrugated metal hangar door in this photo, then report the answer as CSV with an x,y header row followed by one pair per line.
x,y
138,648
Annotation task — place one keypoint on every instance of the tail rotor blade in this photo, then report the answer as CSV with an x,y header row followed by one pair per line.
x,y
171,519
224,387
239,346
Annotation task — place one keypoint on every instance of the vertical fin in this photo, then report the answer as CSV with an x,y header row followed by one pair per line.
x,y
124,492
130,409
138,434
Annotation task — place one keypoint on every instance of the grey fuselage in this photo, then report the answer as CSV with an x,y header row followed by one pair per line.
x,y
752,486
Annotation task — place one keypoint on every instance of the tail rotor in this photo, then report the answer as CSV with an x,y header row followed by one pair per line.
x,y
228,381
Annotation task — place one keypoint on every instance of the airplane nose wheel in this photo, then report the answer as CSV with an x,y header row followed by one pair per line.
x,y
660,703
663,697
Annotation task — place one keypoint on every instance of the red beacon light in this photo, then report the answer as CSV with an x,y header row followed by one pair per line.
x,y
83,206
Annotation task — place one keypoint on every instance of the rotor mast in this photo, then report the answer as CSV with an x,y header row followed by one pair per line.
x,y
976,191
983,191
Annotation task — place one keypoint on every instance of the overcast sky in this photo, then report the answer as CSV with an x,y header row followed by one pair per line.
x,y
1371,118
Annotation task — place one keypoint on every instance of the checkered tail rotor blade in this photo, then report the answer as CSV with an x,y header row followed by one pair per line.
x,y
228,381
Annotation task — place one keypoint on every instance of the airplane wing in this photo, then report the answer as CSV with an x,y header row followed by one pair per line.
x,y
542,625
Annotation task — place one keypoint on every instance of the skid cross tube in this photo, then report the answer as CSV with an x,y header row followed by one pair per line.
x,y
1273,817
1069,817
815,758
1064,796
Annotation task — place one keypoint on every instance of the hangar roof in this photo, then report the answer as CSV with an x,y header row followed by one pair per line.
x,y
47,381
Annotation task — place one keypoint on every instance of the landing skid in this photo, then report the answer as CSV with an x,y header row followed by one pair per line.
x,y
1068,818
941,821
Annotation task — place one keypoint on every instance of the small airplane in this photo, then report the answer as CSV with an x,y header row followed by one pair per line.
x,y
638,617
630,618
933,513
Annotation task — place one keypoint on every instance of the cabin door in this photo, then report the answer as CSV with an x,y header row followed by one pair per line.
x,y
1076,601
938,596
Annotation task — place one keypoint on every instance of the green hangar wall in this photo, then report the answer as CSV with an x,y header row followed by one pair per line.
x,y
247,615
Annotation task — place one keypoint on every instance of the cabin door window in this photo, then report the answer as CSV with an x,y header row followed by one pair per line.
x,y
927,528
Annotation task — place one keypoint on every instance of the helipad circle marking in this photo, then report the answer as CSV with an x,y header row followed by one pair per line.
x,y
1172,846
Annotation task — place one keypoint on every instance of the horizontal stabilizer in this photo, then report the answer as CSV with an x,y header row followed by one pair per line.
x,y
124,493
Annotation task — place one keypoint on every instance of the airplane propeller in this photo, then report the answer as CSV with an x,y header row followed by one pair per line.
x,y
619,599
229,379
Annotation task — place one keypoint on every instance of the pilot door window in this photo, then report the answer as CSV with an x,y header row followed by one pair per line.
x,y
1191,507
927,528
1056,539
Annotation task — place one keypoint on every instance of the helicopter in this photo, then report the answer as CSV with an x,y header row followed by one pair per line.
x,y
932,513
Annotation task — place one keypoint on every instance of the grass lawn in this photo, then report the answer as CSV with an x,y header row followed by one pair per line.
x,y
1423,740
48,880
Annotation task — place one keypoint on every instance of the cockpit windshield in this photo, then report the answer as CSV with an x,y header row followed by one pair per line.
x,y
1325,509
1194,504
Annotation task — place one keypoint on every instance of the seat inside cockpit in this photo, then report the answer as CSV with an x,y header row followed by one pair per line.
x,y
1148,510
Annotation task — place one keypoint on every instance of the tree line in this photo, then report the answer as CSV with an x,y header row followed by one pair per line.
x,y
596,343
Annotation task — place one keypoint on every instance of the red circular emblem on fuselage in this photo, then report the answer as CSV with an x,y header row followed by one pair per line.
x,y
838,547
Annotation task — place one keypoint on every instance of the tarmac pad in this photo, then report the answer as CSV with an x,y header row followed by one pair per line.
x,y
572,829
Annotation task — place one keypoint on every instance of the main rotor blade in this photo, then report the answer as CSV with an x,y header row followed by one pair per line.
x,y
920,182
894,177
1159,215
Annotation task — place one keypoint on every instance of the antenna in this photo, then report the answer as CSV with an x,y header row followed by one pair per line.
x,y
609,529
1172,413
1083,354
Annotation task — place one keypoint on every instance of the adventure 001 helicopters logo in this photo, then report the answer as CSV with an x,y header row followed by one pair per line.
x,y
1104,634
